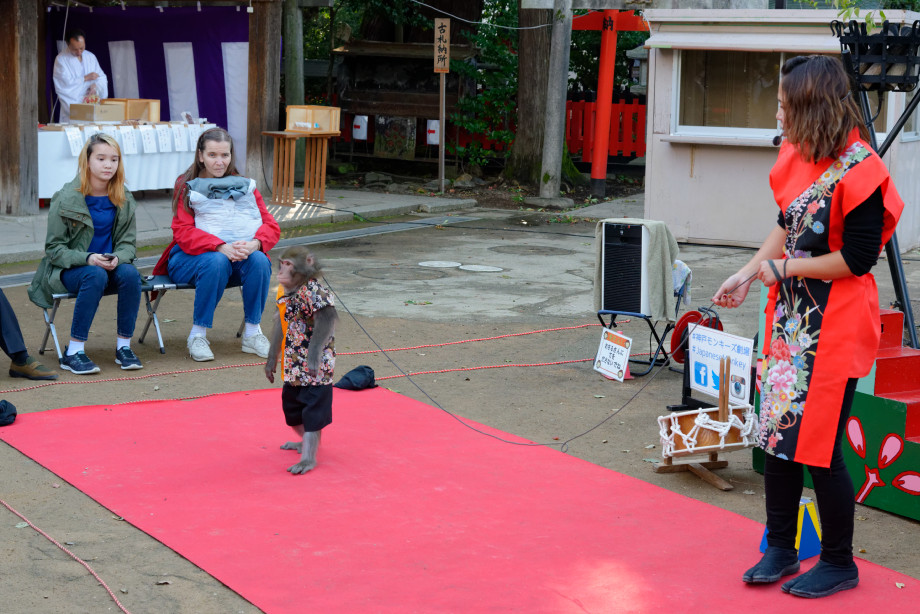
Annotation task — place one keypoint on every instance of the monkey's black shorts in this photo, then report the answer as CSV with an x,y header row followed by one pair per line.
x,y
310,406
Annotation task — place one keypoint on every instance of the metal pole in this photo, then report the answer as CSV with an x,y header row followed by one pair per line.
x,y
895,266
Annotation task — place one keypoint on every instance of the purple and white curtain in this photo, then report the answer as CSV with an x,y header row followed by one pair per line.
x,y
189,59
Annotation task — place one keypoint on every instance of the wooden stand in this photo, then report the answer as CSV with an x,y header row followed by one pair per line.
x,y
314,190
703,470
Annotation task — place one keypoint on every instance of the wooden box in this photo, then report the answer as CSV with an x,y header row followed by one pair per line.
x,y
310,118
105,111
138,109
143,109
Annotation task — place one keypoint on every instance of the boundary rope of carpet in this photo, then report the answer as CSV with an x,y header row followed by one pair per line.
x,y
69,553
259,364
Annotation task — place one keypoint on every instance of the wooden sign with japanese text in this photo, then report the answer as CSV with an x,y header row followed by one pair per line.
x,y
442,45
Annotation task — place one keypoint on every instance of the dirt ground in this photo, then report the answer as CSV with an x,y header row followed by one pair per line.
x,y
388,299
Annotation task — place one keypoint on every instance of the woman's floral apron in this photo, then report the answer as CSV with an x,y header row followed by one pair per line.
x,y
799,312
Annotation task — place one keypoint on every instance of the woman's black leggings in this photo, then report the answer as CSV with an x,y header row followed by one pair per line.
x,y
783,483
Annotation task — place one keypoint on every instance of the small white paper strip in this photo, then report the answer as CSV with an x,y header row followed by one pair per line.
x,y
164,138
180,137
194,131
89,131
612,355
128,140
74,139
148,139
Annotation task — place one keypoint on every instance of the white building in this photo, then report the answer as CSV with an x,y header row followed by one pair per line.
x,y
713,78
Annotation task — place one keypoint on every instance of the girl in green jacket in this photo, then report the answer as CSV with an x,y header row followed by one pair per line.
x,y
89,250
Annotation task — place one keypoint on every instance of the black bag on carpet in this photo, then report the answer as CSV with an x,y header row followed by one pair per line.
x,y
358,378
8,413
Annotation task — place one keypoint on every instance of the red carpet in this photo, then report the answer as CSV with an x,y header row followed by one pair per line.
x,y
408,511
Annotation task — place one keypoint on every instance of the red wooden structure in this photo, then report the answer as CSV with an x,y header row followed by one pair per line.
x,y
609,23
626,137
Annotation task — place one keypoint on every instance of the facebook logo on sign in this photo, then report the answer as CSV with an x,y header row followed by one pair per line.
x,y
700,373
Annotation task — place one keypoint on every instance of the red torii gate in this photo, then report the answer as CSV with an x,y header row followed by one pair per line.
x,y
609,22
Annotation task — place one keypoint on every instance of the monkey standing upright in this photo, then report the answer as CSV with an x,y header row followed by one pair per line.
x,y
309,352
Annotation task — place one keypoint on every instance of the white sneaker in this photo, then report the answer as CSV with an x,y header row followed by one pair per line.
x,y
257,344
198,349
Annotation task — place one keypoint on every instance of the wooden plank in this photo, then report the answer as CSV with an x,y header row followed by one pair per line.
x,y
672,467
709,477
264,86
19,108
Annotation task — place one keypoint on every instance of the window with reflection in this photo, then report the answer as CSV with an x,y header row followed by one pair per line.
x,y
735,92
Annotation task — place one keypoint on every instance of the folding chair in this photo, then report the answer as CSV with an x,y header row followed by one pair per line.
x,y
50,314
162,284
660,340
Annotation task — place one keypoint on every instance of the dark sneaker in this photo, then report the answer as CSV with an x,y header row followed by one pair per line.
x,y
32,369
776,563
127,359
79,363
822,580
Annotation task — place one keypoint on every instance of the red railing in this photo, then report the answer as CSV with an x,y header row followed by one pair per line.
x,y
627,128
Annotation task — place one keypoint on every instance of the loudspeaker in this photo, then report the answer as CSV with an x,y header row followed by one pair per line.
x,y
623,268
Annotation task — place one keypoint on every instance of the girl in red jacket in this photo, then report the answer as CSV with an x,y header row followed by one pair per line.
x,y
222,234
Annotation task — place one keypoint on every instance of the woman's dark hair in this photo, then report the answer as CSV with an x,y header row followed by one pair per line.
x,y
819,112
217,135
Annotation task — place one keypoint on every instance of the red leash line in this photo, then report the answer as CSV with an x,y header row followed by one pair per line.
x,y
536,364
434,345
130,379
69,553
259,364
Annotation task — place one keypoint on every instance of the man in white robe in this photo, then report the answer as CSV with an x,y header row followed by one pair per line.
x,y
77,74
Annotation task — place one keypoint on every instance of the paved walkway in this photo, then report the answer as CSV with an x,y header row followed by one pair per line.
x,y
23,238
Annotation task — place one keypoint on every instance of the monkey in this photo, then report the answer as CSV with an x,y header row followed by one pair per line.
x,y
308,348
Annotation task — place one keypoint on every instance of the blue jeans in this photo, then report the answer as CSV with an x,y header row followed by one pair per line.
x,y
90,283
212,272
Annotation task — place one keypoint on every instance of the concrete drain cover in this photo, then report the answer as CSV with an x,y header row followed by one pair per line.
x,y
481,268
440,264
531,250
401,273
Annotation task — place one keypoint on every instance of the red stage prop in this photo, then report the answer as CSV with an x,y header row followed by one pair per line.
x,y
409,511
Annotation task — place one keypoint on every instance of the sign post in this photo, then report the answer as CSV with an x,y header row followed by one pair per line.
x,y
441,66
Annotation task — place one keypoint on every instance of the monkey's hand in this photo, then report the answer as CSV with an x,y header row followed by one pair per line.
x,y
273,349
324,322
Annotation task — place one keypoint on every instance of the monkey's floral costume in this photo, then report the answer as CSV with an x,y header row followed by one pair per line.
x,y
822,332
298,310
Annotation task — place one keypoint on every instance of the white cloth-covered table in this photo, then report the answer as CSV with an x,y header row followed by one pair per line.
x,y
143,171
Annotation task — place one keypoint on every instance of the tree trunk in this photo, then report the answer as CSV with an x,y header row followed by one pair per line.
x,y
292,41
533,65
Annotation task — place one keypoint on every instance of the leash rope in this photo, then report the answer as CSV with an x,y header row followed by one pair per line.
x,y
69,553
